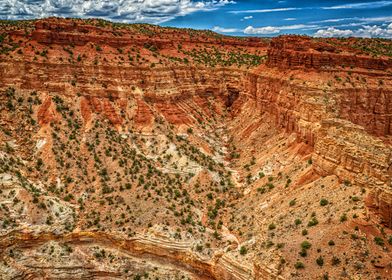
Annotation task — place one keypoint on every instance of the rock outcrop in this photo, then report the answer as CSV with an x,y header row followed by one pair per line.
x,y
303,52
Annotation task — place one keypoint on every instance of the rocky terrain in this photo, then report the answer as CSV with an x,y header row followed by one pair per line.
x,y
143,152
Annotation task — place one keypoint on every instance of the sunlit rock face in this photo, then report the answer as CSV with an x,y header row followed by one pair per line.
x,y
136,151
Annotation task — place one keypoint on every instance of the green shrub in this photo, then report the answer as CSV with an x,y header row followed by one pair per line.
x,y
320,261
272,226
243,250
299,265
306,245
323,202
313,222
343,218
379,241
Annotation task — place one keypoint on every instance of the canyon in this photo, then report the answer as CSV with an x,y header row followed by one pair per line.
x,y
146,152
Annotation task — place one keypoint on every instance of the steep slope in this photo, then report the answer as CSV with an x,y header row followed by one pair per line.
x,y
136,151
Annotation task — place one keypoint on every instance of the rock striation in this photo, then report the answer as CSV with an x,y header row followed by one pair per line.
x,y
304,52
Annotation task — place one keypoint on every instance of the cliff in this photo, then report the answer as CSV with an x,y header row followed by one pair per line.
x,y
304,52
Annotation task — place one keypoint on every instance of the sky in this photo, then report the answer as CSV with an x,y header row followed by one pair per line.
x,y
320,18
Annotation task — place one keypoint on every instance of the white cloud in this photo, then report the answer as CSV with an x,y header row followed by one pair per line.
x,y
277,29
265,10
261,30
367,31
374,31
248,17
298,26
363,20
290,19
151,11
366,5
225,30
333,32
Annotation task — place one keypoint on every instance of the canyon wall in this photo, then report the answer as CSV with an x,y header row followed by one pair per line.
x,y
290,52
289,105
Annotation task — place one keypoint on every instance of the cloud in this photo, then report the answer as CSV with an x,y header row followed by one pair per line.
x,y
333,32
265,10
151,11
367,31
366,5
261,30
356,21
225,30
290,19
277,29
248,17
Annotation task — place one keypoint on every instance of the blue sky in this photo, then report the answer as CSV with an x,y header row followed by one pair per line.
x,y
362,18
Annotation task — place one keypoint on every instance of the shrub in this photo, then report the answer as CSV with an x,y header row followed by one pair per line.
x,y
306,245
320,261
299,265
335,260
303,253
313,222
355,198
243,250
331,243
379,241
272,226
323,202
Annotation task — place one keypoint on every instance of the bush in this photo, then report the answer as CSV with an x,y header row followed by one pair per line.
x,y
243,250
313,222
320,261
331,243
343,218
335,260
323,202
306,245
303,253
379,241
272,226
299,265
355,198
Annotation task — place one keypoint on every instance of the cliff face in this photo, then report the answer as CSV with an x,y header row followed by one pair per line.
x,y
191,136
302,52
66,32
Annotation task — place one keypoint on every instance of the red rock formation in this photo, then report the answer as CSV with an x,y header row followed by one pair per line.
x,y
78,33
370,108
290,52
46,112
